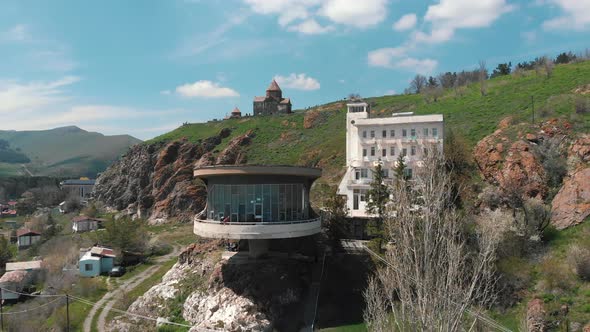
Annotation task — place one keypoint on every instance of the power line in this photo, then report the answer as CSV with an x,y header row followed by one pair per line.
x,y
87,302
30,295
489,321
28,310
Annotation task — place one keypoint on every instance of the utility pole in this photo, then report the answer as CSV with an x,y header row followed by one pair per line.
x,y
533,106
68,313
1,314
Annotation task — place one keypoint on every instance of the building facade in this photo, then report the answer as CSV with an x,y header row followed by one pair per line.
x,y
273,102
381,140
81,188
257,203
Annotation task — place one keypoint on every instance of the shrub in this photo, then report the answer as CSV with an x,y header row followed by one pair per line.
x,y
579,258
556,275
582,105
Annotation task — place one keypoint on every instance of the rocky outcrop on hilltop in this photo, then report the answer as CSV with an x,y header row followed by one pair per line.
x,y
211,293
155,181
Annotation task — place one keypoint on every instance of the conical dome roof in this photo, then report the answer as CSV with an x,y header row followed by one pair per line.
x,y
274,86
236,110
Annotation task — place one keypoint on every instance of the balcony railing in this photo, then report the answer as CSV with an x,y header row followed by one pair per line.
x,y
249,223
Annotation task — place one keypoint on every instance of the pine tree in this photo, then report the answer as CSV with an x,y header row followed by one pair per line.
x,y
378,195
400,168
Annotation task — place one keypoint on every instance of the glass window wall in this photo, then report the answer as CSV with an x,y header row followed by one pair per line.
x,y
257,202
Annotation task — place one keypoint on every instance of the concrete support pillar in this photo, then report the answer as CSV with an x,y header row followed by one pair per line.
x,y
257,248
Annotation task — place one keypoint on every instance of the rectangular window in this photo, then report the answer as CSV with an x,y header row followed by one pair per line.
x,y
413,132
392,133
408,173
364,134
392,151
413,150
385,172
372,151
357,174
87,267
425,132
364,173
384,153
425,152
404,132
384,133
364,152
435,132
404,152
372,134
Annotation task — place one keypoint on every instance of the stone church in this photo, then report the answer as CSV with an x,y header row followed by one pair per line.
x,y
273,102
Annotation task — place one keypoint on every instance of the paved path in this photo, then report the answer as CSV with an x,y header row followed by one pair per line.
x,y
311,301
111,297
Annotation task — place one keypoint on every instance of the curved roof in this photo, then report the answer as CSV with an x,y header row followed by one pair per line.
x,y
236,110
223,170
274,86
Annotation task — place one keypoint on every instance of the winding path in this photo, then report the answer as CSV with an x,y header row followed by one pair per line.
x,y
111,297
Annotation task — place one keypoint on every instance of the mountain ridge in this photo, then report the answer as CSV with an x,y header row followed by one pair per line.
x,y
68,151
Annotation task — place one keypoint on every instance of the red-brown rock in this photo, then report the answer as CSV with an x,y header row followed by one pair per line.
x,y
571,205
234,153
580,148
535,316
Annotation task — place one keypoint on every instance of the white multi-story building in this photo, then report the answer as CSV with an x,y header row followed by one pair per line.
x,y
373,140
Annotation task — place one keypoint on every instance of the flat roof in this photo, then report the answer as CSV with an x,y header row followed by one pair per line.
x,y
30,265
400,120
224,170
78,182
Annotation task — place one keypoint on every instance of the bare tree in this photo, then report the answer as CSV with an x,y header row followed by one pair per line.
x,y
482,77
548,65
418,83
432,277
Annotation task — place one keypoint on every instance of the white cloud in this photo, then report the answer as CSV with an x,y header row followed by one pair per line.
x,y
341,81
27,97
298,82
165,92
310,27
18,33
406,22
450,15
529,36
390,92
575,16
303,15
205,89
360,14
202,42
396,58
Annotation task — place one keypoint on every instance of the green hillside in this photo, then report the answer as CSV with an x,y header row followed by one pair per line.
x,y
284,140
67,151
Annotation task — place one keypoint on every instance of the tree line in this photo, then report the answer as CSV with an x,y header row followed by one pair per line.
x,y
433,86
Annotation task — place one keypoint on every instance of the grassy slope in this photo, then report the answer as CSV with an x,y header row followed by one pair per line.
x,y
283,140
69,150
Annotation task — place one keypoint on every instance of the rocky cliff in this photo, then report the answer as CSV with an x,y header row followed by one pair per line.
x,y
155,181
210,293
520,158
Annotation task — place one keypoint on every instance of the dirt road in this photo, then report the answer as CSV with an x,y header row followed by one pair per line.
x,y
111,297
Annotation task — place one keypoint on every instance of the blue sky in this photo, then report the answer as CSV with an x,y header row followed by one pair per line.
x,y
144,67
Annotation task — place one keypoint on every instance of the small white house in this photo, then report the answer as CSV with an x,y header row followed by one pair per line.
x,y
85,224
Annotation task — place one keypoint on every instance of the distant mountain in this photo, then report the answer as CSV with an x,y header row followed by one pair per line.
x,y
64,152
